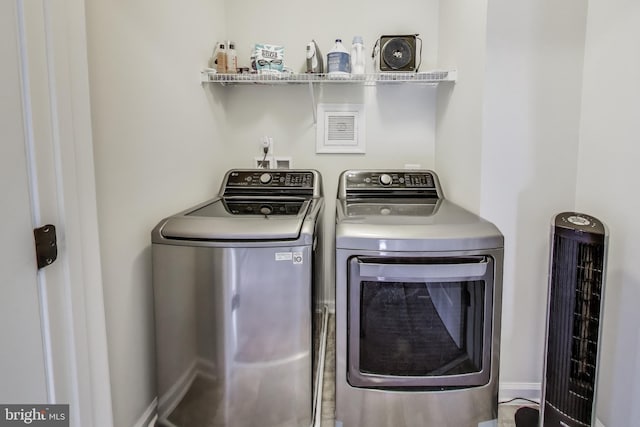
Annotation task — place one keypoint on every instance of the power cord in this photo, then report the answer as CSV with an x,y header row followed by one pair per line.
x,y
518,398
264,158
374,50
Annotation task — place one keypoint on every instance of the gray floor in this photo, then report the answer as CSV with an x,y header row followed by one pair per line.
x,y
505,415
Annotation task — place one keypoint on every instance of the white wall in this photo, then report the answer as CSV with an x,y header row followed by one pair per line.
x,y
156,139
607,189
532,95
506,146
462,40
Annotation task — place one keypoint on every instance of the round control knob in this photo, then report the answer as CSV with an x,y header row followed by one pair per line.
x,y
266,209
385,179
265,178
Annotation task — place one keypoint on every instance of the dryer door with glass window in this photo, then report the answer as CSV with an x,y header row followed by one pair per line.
x,y
420,322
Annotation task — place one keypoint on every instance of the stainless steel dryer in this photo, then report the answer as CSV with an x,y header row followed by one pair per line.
x,y
418,303
233,283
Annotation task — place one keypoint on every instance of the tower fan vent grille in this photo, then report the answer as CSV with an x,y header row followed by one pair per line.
x,y
576,292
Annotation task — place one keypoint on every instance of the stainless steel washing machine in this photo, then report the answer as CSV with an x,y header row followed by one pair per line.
x,y
233,282
418,303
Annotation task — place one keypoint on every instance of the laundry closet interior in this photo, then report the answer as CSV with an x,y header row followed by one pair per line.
x,y
506,137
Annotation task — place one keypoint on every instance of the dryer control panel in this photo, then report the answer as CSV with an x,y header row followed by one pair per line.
x,y
389,182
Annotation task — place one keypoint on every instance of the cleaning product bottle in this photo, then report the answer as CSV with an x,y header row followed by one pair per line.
x,y
357,56
214,57
338,62
221,58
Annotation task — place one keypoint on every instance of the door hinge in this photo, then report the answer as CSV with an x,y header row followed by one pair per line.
x,y
46,245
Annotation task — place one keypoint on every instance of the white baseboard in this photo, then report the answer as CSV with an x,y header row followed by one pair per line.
x,y
206,369
148,418
170,399
508,391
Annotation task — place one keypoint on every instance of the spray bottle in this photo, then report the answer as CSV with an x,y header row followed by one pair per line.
x,y
357,56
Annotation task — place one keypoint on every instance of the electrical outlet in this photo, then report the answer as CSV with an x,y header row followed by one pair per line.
x,y
266,143
282,162
266,153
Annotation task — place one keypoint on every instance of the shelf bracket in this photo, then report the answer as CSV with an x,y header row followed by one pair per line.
x,y
314,107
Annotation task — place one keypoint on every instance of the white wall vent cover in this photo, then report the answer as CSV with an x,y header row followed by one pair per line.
x,y
340,128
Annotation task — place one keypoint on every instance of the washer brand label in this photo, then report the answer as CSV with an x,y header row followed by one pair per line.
x,y
295,257
284,256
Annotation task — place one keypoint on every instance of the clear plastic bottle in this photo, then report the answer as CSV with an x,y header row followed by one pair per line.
x,y
357,56
232,58
338,61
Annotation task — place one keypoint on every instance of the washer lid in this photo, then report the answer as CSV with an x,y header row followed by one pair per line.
x,y
239,220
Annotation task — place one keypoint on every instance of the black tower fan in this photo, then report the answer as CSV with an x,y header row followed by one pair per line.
x,y
574,319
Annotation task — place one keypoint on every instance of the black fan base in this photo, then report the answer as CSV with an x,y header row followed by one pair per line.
x,y
527,417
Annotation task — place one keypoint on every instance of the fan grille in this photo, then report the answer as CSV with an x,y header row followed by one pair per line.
x,y
398,53
574,319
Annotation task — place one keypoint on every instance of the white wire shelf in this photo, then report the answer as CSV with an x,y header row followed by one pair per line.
x,y
424,77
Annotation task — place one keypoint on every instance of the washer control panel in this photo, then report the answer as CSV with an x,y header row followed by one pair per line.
x,y
358,180
270,178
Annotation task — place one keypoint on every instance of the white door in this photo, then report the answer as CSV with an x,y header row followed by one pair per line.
x,y
22,360
52,334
